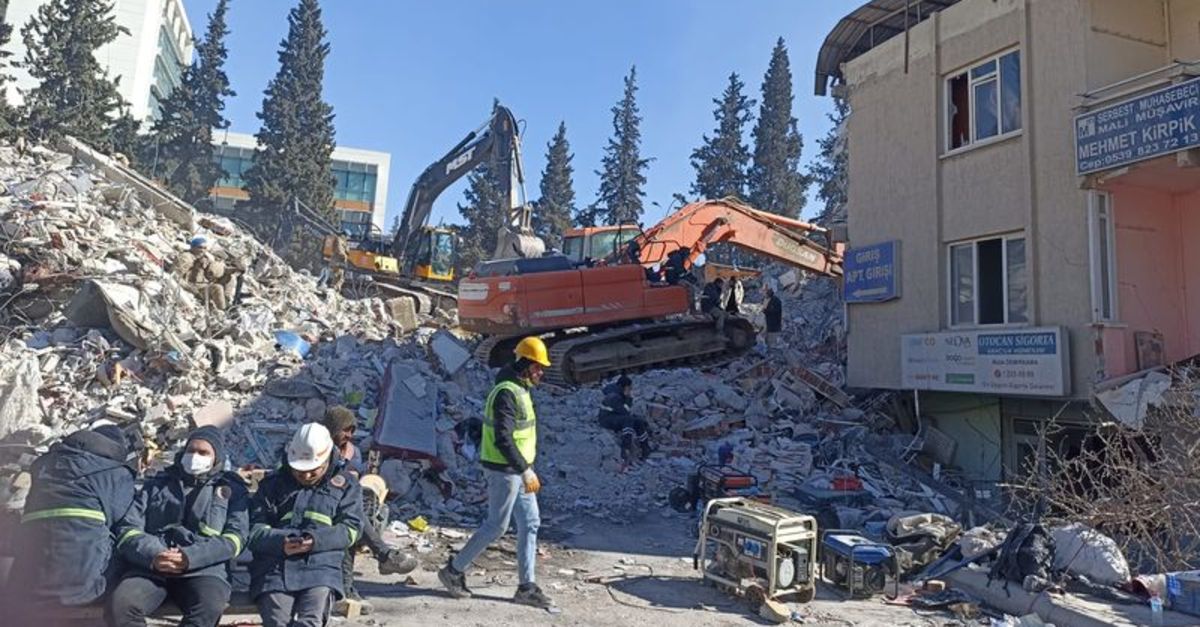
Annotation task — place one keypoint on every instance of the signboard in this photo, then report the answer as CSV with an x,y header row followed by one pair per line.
x,y
1023,362
872,273
1156,124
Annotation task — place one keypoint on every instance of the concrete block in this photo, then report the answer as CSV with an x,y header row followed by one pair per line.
x,y
404,312
450,353
216,414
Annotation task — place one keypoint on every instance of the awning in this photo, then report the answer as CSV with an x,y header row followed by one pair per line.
x,y
868,26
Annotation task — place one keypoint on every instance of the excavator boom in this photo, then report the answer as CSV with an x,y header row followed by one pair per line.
x,y
614,318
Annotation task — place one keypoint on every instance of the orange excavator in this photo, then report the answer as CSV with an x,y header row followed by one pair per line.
x,y
617,316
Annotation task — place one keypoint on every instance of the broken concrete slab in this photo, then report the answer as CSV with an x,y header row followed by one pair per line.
x,y
215,414
407,423
450,352
20,407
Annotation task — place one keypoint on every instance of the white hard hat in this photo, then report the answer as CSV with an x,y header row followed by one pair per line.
x,y
310,447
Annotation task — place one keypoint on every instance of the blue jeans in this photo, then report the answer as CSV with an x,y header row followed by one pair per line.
x,y
505,492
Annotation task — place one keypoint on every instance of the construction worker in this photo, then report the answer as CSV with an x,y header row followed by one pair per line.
x,y
303,518
186,525
616,415
80,490
337,262
508,448
205,275
710,303
773,312
341,424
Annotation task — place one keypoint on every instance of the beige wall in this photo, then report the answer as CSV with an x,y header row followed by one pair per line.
x,y
1185,29
904,186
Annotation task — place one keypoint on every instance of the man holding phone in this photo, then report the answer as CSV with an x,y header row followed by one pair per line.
x,y
303,518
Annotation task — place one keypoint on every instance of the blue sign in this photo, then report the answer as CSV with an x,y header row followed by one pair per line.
x,y
872,273
1149,126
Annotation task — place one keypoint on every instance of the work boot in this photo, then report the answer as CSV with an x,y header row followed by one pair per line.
x,y
530,594
397,563
454,581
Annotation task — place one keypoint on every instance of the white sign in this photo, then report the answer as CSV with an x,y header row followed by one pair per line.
x,y
1024,362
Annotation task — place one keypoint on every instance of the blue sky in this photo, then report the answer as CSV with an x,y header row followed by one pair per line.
x,y
413,77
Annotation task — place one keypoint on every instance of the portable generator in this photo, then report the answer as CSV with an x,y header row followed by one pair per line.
x,y
858,565
714,481
746,545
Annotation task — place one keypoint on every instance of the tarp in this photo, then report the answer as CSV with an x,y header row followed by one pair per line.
x,y
1129,403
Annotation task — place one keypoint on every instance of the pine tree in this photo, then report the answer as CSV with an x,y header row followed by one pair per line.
x,y
484,211
623,174
73,95
9,120
553,211
776,183
722,161
829,171
295,143
183,134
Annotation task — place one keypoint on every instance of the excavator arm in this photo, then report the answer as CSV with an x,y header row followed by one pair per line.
x,y
699,225
498,139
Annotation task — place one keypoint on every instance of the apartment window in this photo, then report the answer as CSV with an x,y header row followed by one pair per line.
x,y
1101,224
984,101
989,282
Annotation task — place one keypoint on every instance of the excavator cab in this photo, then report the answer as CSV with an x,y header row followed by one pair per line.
x,y
597,242
435,255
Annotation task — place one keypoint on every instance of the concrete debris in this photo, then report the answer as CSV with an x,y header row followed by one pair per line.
x,y
450,353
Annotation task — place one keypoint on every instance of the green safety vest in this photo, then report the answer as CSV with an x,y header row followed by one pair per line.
x,y
524,431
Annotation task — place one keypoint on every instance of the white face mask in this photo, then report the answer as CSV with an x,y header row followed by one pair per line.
x,y
194,464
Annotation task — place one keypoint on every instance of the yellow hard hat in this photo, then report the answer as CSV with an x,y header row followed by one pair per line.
x,y
376,485
533,349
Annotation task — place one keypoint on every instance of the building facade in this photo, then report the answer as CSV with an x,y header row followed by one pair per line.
x,y
148,61
360,190
1024,189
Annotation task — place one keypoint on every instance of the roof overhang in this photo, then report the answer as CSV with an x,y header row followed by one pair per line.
x,y
868,26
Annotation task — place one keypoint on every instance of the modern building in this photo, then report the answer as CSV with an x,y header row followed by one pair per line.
x,y
148,60
1024,203
360,191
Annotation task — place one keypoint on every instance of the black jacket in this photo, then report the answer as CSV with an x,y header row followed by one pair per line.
x,y
81,489
615,402
504,410
710,298
211,532
330,511
774,314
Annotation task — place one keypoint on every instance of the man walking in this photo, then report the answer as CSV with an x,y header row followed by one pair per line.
x,y
507,451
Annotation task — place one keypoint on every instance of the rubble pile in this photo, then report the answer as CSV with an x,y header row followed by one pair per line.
x,y
96,326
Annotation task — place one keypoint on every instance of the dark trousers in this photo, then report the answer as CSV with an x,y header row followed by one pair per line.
x,y
201,599
373,540
306,608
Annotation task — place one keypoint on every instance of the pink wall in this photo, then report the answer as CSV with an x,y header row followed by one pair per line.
x,y
1158,270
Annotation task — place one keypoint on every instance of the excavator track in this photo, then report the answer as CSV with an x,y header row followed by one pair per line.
x,y
587,357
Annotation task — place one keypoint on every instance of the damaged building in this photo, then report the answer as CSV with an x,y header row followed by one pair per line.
x,y
1023,192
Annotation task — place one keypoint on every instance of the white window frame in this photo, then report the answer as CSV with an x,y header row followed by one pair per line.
x,y
950,287
1098,257
948,102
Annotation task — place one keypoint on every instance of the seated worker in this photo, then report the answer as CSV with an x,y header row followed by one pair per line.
x,y
81,489
303,518
341,424
616,415
710,303
205,275
186,525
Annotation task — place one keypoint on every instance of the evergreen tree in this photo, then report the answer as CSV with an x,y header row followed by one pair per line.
x,y
829,171
776,183
295,143
623,174
485,212
183,135
722,161
73,95
8,115
553,211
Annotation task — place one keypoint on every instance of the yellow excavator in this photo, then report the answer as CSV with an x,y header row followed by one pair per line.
x,y
422,258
